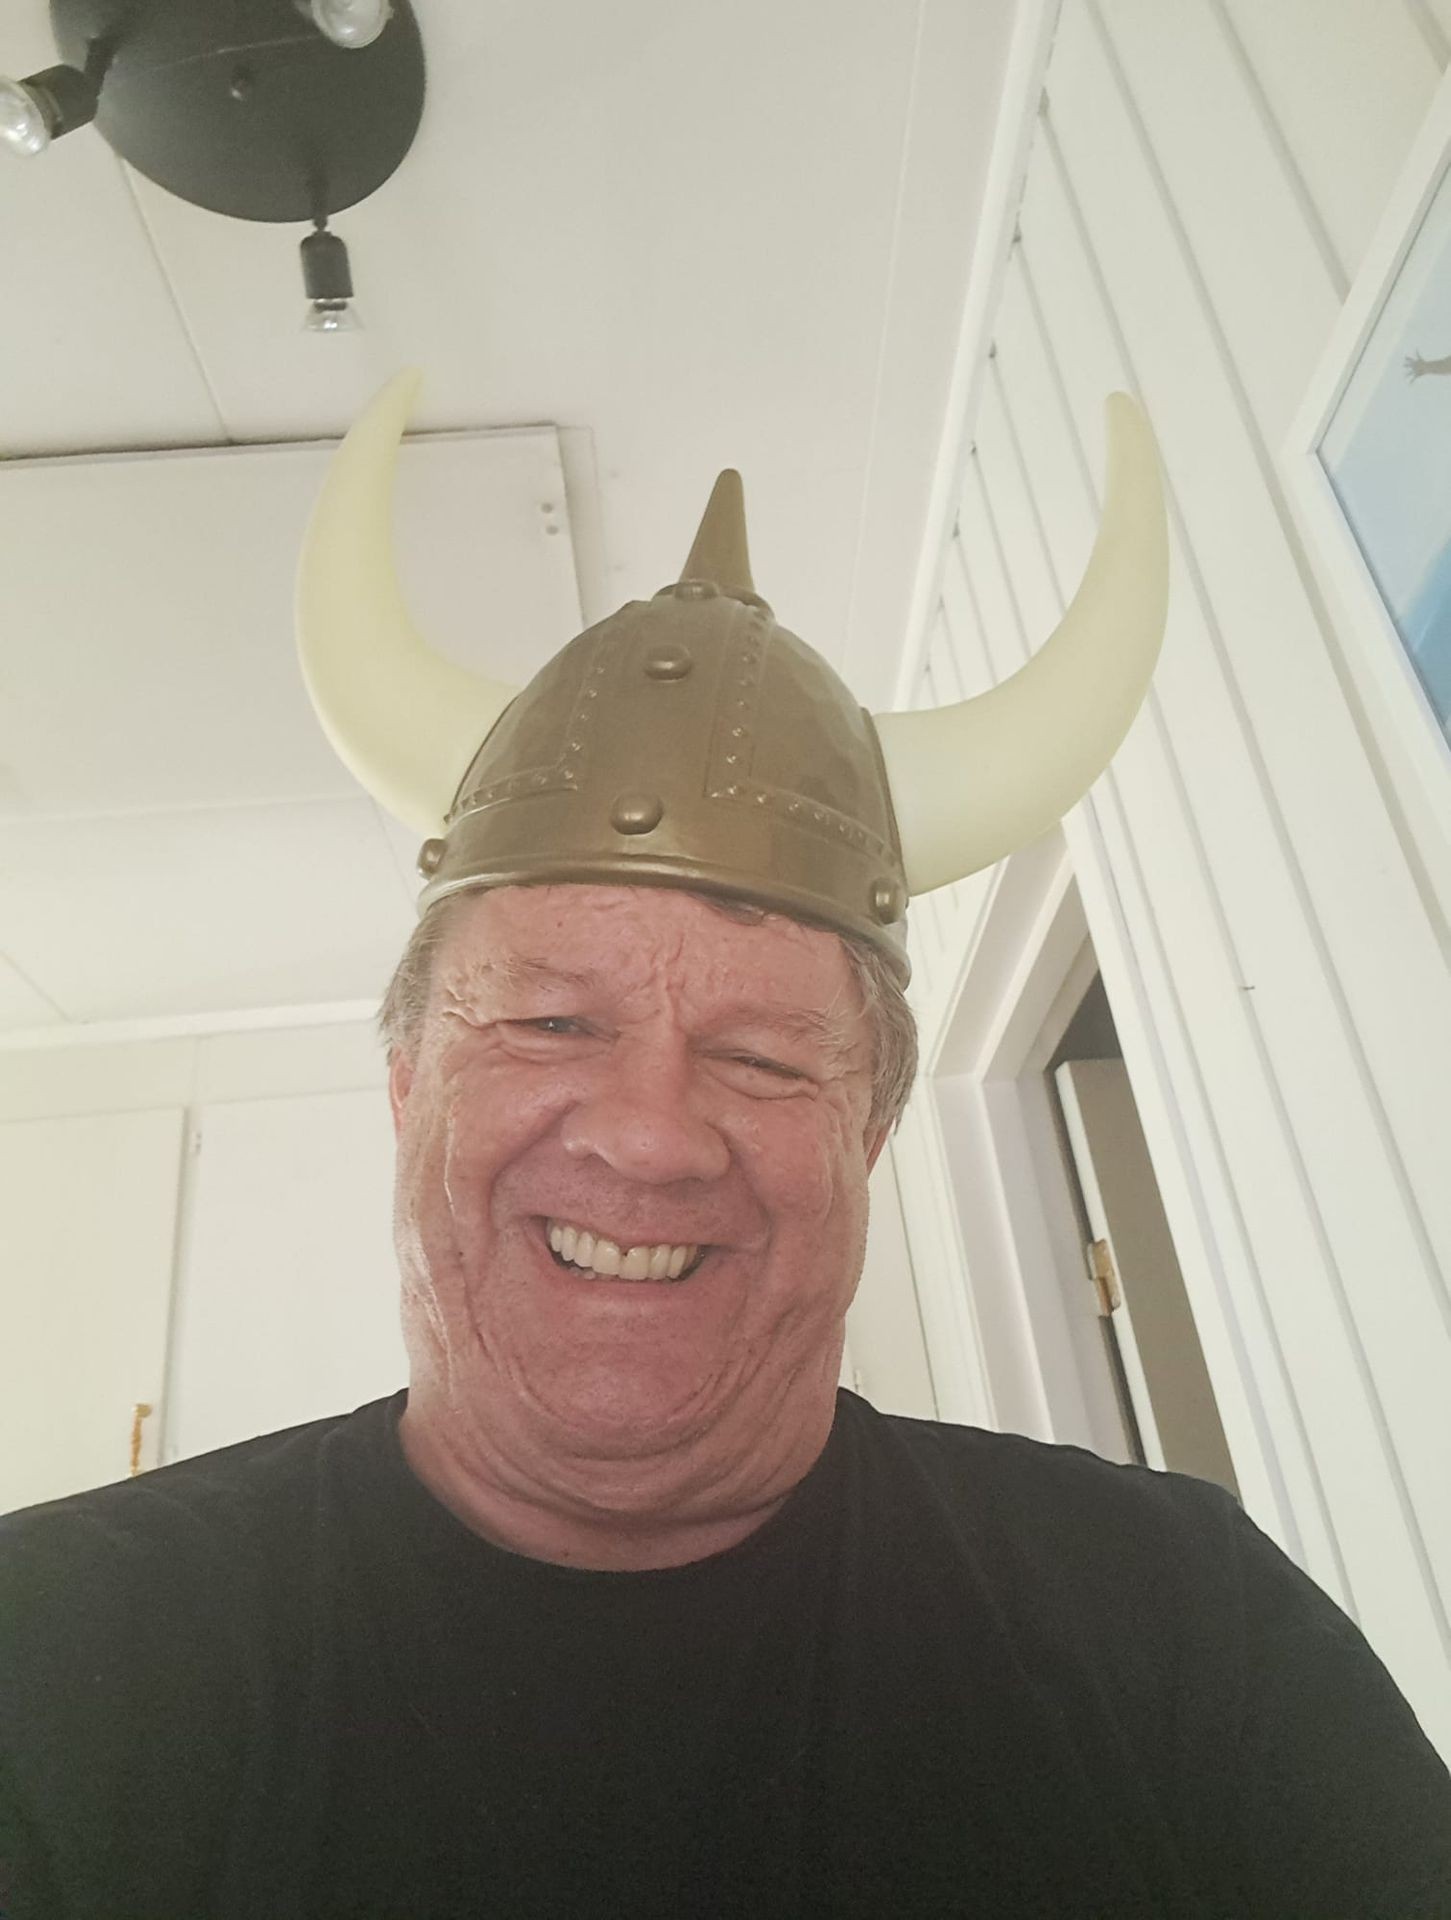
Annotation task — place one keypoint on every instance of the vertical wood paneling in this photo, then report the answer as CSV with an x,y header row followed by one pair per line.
x,y
1199,983
1355,892
970,664
1348,82
1181,234
1001,626
1277,1471
1340,1053
1273,293
1187,916
1015,527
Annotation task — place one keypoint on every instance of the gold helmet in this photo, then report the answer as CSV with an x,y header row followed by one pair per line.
x,y
690,741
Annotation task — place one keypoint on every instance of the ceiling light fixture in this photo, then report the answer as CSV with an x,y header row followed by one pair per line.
x,y
276,110
329,283
45,105
349,23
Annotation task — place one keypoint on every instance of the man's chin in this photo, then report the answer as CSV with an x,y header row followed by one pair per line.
x,y
620,1414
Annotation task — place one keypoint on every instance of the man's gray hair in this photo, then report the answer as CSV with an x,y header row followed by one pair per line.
x,y
889,1019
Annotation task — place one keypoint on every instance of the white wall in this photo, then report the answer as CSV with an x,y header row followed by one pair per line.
x,y
199,1223
1270,917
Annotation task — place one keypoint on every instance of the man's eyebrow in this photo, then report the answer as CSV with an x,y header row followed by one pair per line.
x,y
823,1026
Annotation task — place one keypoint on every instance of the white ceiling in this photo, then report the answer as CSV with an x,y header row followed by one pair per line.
x,y
691,237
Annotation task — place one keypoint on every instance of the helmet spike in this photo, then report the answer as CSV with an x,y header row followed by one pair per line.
x,y
720,554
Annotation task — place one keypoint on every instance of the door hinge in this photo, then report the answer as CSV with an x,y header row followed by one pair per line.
x,y
1101,1272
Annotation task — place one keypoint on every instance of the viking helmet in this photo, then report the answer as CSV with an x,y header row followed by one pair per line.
x,y
690,741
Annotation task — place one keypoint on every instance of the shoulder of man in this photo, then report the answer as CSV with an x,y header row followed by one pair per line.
x,y
1049,1512
1163,1584
129,1658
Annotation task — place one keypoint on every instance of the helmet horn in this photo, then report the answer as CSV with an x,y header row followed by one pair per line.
x,y
403,719
973,782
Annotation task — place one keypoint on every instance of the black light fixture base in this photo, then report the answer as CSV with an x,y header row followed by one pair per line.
x,y
243,106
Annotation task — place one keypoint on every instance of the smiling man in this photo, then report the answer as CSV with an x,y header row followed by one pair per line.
x,y
622,1607
634,1135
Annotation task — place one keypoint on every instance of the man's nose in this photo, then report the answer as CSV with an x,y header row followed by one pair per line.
x,y
640,1118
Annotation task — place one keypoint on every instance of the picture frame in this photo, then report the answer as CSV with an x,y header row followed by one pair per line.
x,y
1367,466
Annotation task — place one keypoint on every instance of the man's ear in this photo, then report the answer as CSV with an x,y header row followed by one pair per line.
x,y
400,1079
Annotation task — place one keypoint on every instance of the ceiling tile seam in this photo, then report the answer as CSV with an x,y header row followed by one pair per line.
x,y
177,1026
393,860
35,987
80,815
171,293
884,334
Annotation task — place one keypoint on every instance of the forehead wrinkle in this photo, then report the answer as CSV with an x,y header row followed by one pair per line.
x,y
520,970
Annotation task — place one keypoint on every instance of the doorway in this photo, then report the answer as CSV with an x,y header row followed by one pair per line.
x,y
1151,1345
1084,1332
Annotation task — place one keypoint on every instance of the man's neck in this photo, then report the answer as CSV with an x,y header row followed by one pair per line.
x,y
536,1521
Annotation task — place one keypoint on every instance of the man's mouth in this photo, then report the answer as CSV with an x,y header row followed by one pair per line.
x,y
586,1252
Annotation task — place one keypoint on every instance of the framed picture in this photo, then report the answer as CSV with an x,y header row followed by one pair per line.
x,y
1368,464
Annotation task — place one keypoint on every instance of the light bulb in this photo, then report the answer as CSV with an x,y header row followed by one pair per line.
x,y
331,316
351,23
24,125
41,107
328,282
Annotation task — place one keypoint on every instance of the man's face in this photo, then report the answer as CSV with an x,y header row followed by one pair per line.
x,y
628,1063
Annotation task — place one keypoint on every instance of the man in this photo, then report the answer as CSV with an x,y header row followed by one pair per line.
x,y
621,1607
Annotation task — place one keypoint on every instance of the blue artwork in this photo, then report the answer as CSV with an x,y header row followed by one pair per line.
x,y
1387,453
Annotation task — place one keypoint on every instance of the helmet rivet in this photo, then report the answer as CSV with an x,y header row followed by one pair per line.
x,y
429,856
668,663
887,901
695,590
636,813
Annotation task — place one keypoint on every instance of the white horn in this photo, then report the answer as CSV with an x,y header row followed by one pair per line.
x,y
406,721
973,782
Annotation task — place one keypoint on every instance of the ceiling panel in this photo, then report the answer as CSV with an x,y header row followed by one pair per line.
x,y
404,844
689,237
148,914
670,224
21,1005
93,352
149,612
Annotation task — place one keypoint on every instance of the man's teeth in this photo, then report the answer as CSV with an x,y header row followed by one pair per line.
x,y
594,1254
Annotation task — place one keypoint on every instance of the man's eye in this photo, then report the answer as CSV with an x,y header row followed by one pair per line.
x,y
550,1023
770,1066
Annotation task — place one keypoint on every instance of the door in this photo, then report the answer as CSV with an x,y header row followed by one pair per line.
x,y
87,1230
1141,1290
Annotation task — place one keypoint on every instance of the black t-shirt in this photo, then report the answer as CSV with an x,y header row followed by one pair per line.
x,y
957,1673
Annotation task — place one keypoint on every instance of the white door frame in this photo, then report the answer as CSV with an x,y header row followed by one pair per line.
x,y
1038,1339
983,1209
